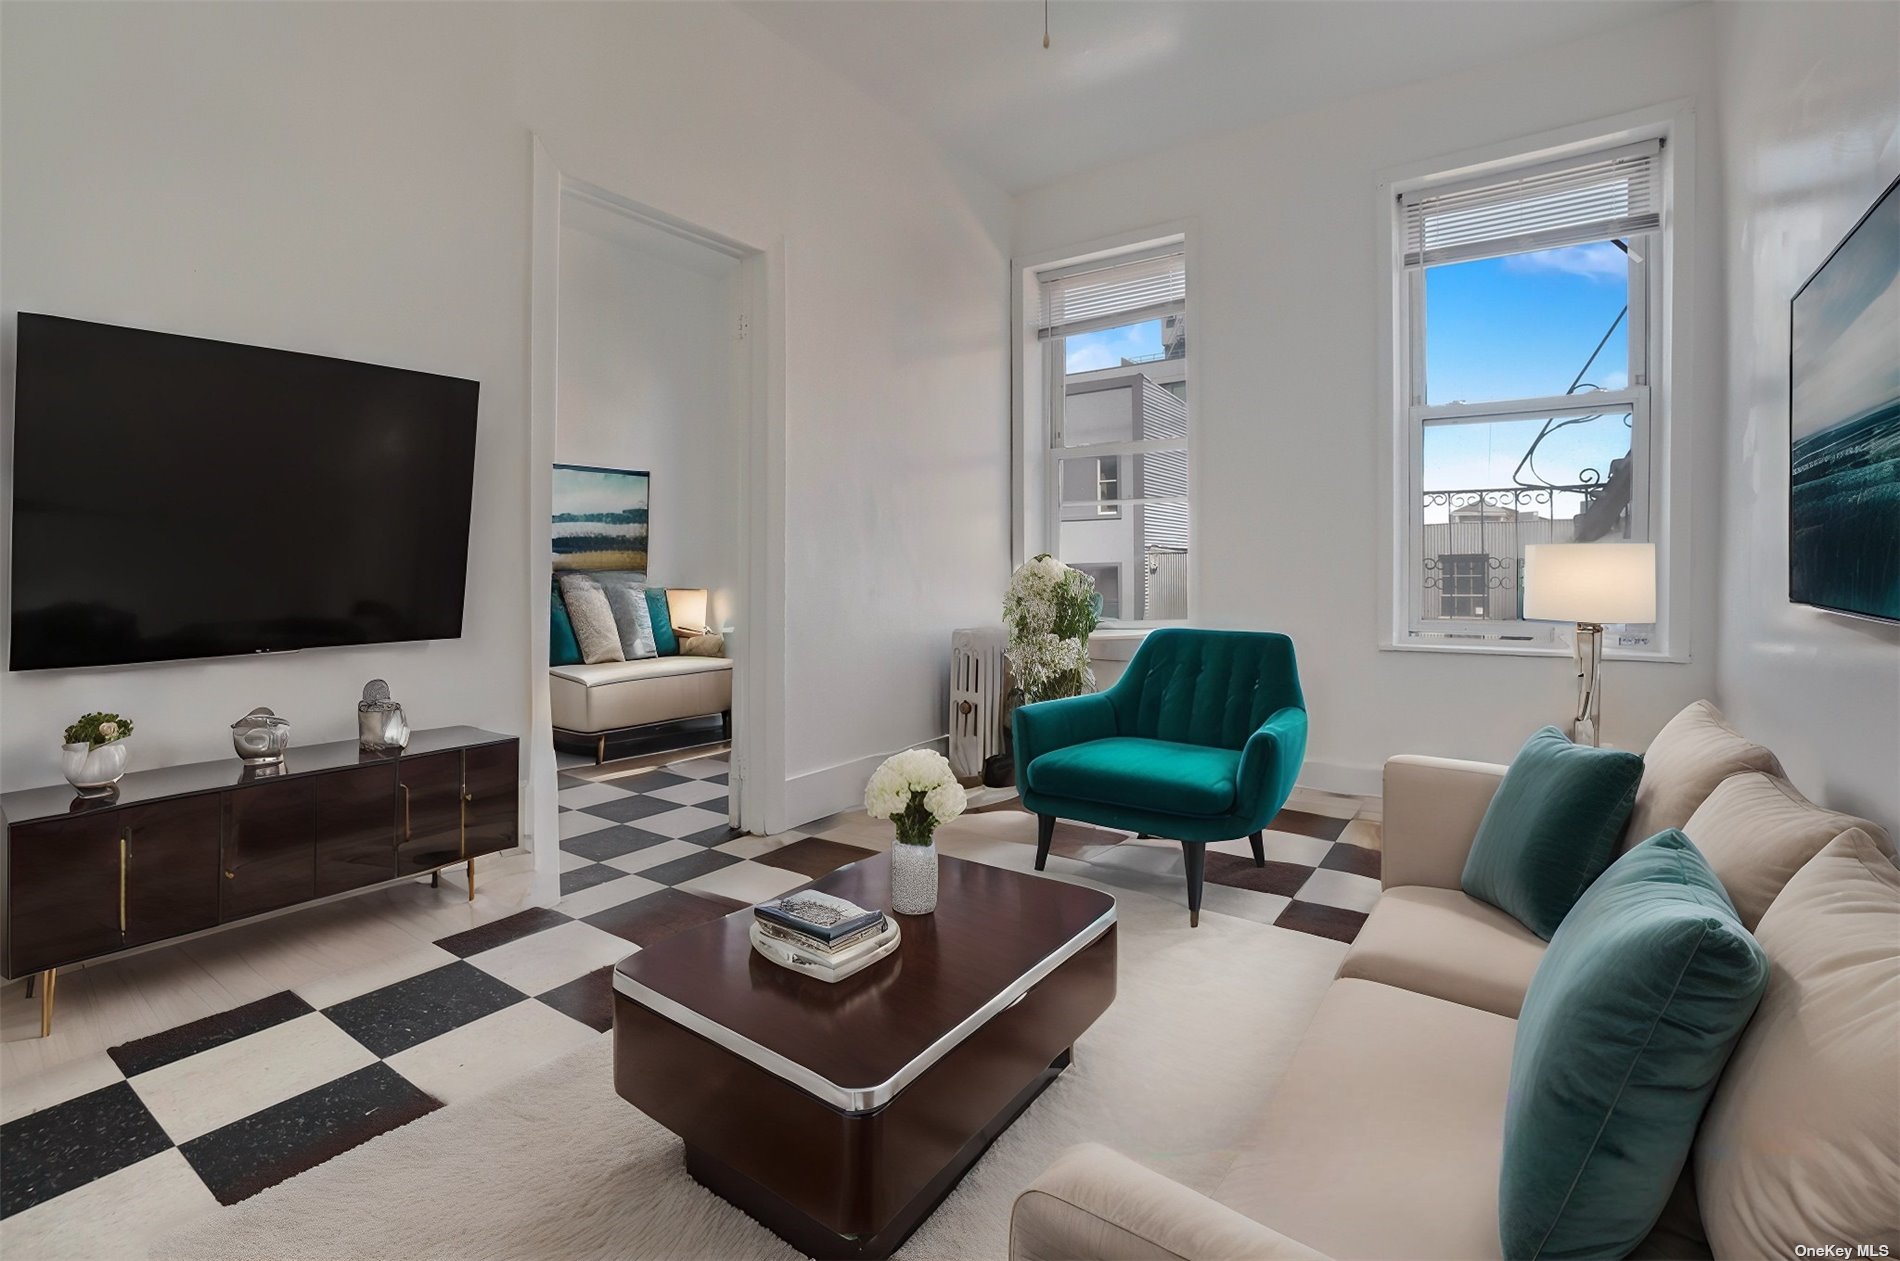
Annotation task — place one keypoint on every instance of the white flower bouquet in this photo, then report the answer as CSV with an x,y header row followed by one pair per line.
x,y
1050,610
916,790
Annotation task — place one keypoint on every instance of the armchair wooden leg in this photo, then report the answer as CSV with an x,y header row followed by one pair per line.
x,y
1259,849
1045,833
1196,856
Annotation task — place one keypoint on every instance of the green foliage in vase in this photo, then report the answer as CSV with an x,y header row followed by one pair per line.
x,y
98,729
1051,610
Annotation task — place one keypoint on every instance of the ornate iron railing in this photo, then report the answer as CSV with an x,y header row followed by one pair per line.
x,y
1472,560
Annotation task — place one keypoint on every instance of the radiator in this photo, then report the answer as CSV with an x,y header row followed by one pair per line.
x,y
978,684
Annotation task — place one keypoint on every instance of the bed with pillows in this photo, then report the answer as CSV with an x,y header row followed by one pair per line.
x,y
623,656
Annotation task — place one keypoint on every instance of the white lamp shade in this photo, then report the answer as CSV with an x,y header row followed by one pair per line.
x,y
686,606
1590,582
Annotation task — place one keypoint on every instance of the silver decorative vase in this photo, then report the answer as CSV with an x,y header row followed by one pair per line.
x,y
94,772
914,878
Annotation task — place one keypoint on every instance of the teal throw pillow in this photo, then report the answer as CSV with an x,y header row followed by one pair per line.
x,y
563,648
1551,829
1625,1030
665,642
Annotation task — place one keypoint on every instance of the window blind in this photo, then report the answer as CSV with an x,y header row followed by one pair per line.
x,y
1113,291
1590,198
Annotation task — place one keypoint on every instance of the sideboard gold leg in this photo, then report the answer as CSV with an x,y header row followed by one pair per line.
x,y
47,980
471,879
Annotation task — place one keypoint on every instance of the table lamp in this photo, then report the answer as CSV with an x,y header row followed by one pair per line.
x,y
686,607
1589,584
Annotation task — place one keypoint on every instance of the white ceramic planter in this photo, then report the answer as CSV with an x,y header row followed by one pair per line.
x,y
913,878
93,770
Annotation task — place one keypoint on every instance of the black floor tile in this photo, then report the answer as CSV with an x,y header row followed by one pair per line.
x,y
142,1055
1321,920
660,914
1276,877
688,867
589,999
409,1012
1357,859
630,807
280,1142
502,931
649,781
61,1148
604,843
587,877
713,836
1300,823
721,778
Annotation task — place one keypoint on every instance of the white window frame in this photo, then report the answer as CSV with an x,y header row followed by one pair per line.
x,y
1660,496
1038,395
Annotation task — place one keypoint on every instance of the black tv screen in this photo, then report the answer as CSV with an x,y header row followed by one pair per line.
x,y
175,497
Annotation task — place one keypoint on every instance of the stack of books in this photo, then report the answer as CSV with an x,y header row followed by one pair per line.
x,y
821,935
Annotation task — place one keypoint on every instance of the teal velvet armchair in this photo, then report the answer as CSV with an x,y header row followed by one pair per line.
x,y
1199,740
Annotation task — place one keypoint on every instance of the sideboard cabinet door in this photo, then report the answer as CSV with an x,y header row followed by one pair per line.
x,y
171,868
63,891
269,850
429,812
356,828
493,789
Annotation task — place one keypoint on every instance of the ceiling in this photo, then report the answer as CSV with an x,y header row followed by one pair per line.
x,y
1126,77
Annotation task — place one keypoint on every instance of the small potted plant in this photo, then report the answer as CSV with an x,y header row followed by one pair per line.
x,y
1051,610
93,756
916,790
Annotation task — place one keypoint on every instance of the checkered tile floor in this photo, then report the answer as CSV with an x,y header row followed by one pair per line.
x,y
245,1099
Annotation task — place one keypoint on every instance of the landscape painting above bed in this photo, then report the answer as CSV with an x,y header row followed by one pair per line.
x,y
600,519
1844,422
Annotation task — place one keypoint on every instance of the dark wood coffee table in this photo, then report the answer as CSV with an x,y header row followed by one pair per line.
x,y
841,1115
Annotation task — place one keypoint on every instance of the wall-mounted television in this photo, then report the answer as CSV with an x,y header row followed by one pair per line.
x,y
175,497
1844,423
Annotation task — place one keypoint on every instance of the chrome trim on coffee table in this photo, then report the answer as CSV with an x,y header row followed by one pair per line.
x,y
862,1098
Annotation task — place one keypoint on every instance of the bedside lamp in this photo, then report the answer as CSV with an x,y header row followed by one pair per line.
x,y
1589,584
686,606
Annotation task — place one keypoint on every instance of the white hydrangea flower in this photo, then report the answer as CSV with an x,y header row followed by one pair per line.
x,y
914,777
945,802
1050,612
108,730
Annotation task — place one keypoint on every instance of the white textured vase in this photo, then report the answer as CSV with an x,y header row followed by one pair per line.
x,y
913,878
92,770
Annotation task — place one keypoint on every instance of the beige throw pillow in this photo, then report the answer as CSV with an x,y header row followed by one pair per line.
x,y
593,619
1801,1144
707,645
1695,751
1756,831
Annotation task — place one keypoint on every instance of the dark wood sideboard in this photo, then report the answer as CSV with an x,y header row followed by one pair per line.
x,y
183,849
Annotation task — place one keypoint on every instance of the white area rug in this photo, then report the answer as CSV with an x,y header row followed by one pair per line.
x,y
556,1165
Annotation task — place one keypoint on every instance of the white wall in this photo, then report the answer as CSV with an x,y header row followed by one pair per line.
x,y
646,362
1809,137
1289,426
354,180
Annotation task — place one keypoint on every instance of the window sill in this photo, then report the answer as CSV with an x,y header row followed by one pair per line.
x,y
1117,643
1528,650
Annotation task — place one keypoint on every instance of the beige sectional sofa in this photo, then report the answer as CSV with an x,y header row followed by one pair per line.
x,y
1384,1137
595,701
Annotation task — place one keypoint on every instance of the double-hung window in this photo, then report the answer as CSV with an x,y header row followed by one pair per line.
x,y
1526,359
1114,342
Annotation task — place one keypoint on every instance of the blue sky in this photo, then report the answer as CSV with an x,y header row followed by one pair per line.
x,y
1088,351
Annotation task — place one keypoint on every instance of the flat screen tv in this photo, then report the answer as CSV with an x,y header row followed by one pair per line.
x,y
1844,424
175,497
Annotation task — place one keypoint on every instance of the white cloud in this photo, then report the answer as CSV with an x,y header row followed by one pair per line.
x,y
1599,260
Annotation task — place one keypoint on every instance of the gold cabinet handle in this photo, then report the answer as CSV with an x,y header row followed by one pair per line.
x,y
230,875
408,831
125,859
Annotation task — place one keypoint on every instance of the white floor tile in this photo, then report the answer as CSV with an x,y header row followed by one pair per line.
x,y
700,767
1363,831
487,1053
599,897
119,1215
569,862
26,1093
196,1095
681,822
579,823
540,961
746,882
690,793
1262,908
1341,889
590,795
653,855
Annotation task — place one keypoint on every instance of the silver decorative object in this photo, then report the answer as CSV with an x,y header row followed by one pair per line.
x,y
260,737
913,878
380,725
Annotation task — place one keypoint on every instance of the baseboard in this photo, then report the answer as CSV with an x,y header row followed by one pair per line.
x,y
1353,778
816,794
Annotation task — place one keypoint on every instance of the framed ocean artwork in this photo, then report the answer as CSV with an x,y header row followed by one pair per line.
x,y
600,518
1844,424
